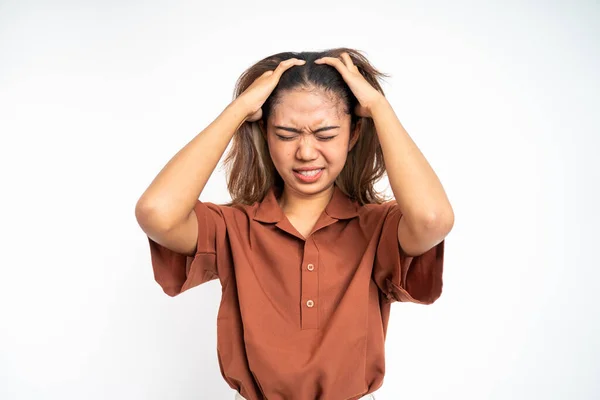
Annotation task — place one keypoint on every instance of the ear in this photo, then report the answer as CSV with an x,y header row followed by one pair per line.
x,y
355,134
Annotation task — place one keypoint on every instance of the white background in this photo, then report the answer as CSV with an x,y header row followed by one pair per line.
x,y
95,97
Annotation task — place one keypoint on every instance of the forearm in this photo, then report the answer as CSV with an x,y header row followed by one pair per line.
x,y
416,187
174,191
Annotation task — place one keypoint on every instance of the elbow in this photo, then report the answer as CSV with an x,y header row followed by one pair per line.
x,y
143,213
149,217
439,222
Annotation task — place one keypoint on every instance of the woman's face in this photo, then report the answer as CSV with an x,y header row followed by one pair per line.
x,y
309,129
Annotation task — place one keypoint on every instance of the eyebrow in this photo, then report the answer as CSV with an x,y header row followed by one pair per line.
x,y
289,129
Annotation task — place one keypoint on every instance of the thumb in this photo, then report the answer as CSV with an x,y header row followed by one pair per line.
x,y
256,116
362,111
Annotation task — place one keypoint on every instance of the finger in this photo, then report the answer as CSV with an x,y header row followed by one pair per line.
x,y
333,61
349,63
287,64
290,62
336,63
347,60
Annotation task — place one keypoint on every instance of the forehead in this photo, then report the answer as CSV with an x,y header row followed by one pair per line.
x,y
303,107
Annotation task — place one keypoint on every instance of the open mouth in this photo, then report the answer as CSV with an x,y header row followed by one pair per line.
x,y
308,176
310,173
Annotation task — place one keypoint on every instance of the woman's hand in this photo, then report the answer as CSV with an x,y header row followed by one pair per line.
x,y
366,94
257,93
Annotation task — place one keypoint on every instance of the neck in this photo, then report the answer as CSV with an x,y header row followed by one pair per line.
x,y
293,202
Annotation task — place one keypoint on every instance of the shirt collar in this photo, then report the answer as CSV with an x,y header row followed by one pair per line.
x,y
339,207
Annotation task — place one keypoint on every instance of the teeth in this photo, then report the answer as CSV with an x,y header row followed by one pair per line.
x,y
310,173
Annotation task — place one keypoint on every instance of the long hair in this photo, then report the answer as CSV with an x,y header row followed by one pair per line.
x,y
249,169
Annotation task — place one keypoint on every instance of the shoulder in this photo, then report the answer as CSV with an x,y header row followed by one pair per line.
x,y
228,212
376,212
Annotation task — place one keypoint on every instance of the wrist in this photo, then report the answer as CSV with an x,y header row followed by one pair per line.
x,y
236,112
379,105
240,106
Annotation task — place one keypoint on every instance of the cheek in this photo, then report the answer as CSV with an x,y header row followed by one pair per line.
x,y
335,152
280,153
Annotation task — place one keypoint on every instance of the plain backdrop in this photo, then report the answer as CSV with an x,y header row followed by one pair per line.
x,y
501,97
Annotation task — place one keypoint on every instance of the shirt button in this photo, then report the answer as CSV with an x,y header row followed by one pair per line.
x,y
310,267
310,303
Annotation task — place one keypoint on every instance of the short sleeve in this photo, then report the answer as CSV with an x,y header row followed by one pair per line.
x,y
176,272
401,277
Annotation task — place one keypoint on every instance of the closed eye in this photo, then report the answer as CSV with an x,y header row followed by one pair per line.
x,y
322,138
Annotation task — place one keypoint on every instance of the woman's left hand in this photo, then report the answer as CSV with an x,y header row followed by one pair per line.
x,y
366,94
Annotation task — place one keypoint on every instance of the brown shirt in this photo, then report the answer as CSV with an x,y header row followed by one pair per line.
x,y
302,319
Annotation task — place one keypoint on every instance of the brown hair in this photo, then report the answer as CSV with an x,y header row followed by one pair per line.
x,y
249,168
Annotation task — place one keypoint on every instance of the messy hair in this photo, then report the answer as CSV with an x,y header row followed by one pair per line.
x,y
249,168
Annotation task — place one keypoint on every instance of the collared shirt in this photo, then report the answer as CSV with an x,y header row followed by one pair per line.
x,y
302,318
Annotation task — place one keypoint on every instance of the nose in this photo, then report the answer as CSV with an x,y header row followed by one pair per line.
x,y
307,148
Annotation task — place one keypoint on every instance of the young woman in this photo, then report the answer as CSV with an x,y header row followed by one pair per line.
x,y
308,255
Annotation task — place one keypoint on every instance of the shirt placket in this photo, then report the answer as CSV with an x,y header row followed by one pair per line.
x,y
309,271
310,286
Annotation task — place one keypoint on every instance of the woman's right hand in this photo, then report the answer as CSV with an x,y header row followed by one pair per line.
x,y
257,93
